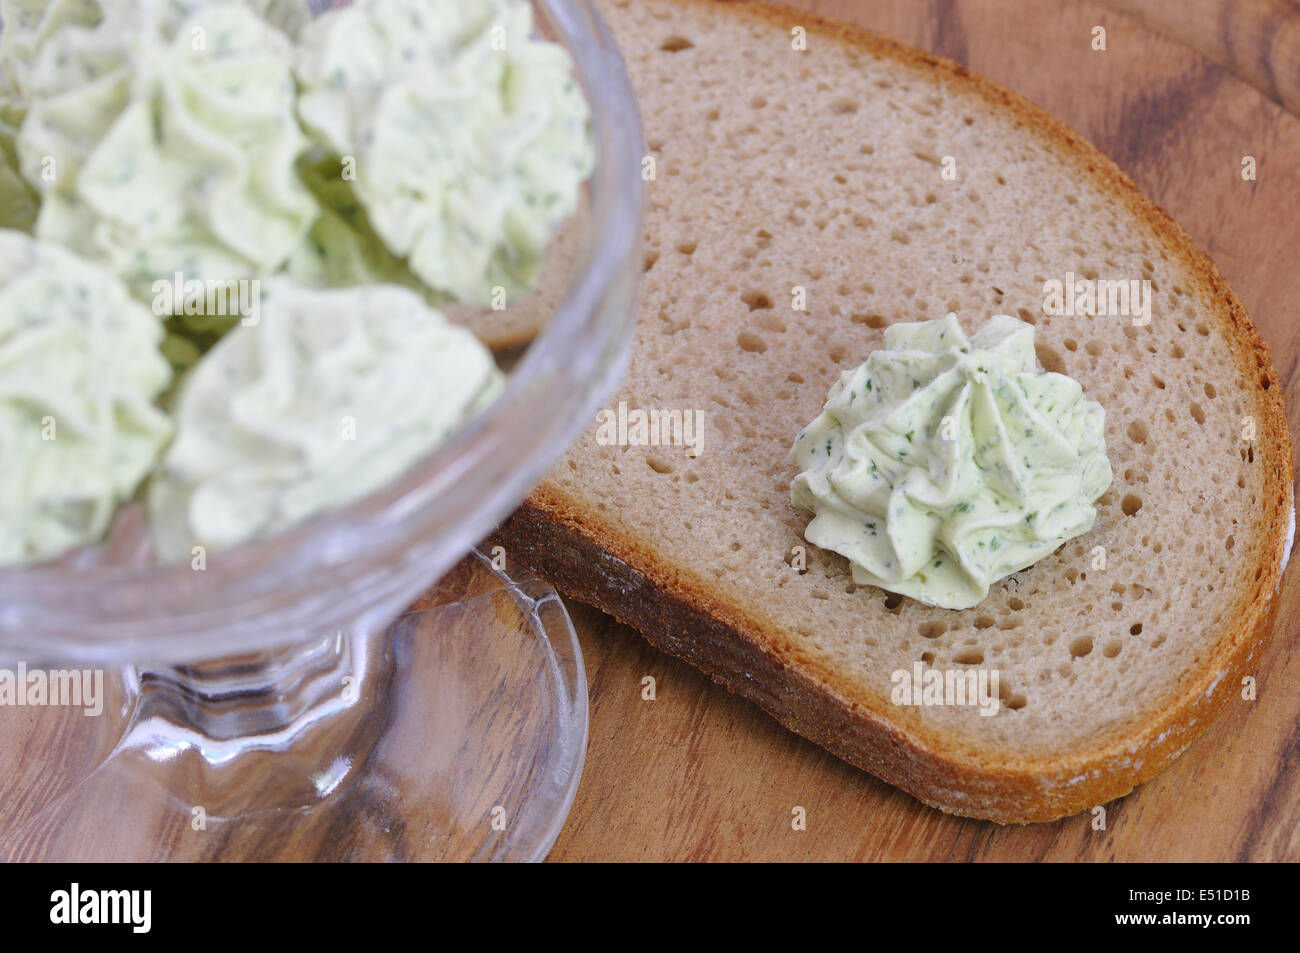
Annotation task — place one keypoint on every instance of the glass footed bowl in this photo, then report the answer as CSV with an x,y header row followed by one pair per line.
x,y
261,682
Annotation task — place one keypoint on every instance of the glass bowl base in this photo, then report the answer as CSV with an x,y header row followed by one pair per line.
x,y
457,733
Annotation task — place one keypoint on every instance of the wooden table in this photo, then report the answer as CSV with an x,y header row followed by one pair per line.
x,y
699,774
1186,88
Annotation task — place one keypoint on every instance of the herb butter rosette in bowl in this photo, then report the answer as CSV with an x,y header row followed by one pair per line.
x,y
296,303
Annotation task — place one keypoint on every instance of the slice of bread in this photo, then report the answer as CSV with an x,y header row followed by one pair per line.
x,y
822,170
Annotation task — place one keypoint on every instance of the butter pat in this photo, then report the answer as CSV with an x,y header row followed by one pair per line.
x,y
945,463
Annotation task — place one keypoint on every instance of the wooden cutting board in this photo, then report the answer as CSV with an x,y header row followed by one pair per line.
x,y
1184,90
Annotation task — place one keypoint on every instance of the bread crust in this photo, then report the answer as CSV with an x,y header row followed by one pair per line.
x,y
593,561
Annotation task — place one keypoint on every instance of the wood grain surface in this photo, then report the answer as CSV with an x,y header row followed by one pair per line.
x,y
1257,40
1183,91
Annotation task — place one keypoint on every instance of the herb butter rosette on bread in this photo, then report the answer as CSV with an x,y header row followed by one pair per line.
x,y
815,177
945,463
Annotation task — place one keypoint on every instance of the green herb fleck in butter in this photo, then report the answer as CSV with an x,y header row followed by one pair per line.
x,y
976,463
19,202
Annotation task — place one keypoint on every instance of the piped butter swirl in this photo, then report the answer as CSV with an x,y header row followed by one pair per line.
x,y
331,395
465,136
79,372
945,463
162,137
